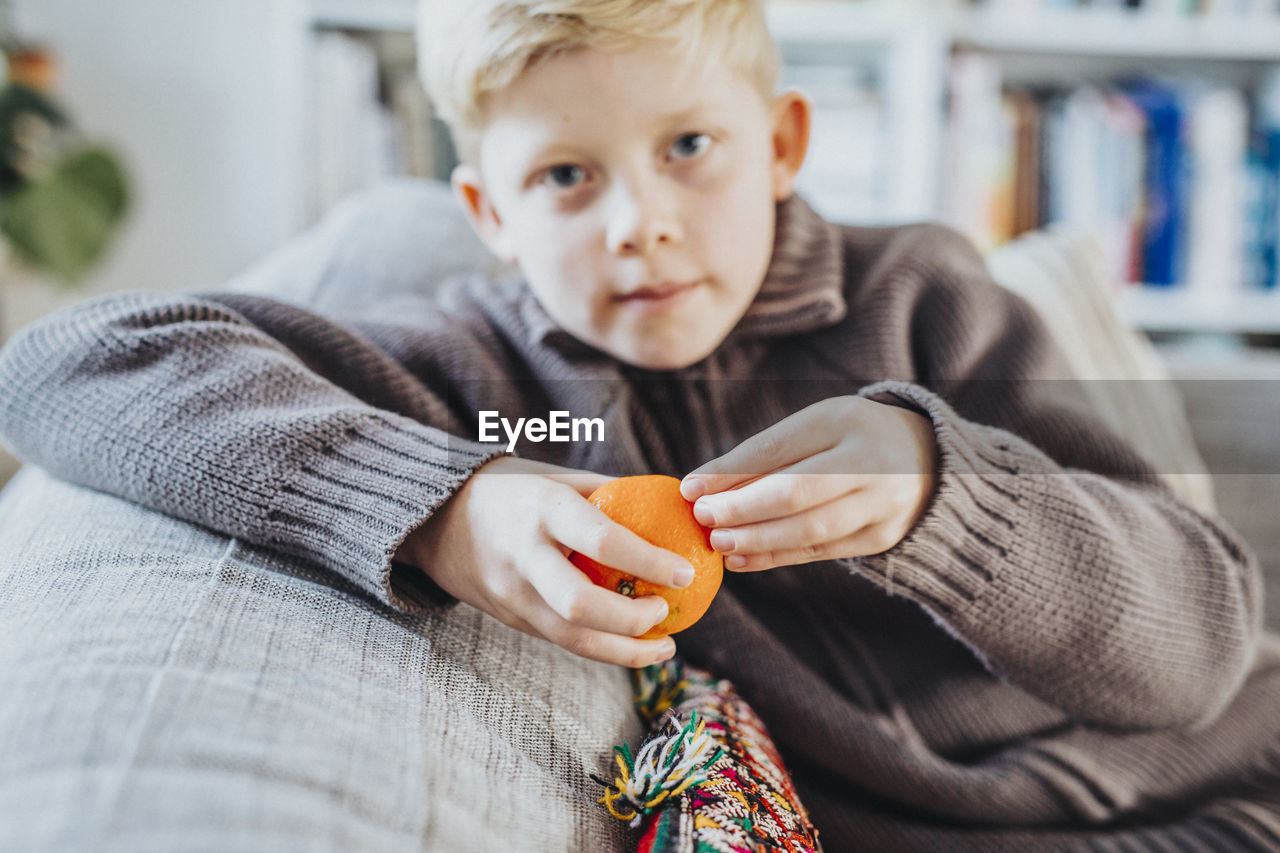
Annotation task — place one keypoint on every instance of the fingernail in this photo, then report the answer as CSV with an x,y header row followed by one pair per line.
x,y
683,575
735,561
663,610
705,512
722,540
693,489
668,653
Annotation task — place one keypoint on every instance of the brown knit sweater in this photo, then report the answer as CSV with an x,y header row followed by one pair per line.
x,y
1061,654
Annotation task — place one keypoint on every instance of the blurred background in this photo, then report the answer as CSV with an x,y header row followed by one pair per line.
x,y
191,137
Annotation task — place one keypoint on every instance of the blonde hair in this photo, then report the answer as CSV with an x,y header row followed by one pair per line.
x,y
470,48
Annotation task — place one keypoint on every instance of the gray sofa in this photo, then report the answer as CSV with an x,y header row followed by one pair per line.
x,y
165,687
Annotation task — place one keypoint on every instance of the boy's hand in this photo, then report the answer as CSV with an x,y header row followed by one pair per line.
x,y
845,477
501,544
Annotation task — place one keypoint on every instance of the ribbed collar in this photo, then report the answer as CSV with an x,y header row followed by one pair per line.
x,y
803,288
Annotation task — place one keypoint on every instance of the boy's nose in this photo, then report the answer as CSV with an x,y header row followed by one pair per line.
x,y
640,222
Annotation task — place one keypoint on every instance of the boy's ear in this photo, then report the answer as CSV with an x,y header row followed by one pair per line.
x,y
479,209
792,115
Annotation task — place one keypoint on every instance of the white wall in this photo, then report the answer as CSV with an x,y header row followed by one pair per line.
x,y
204,101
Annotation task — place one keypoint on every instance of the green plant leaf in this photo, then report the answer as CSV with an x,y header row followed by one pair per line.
x,y
63,222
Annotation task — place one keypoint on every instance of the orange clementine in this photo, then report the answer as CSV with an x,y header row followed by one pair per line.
x,y
652,507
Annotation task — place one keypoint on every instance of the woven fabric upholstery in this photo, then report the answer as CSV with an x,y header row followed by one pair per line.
x,y
164,688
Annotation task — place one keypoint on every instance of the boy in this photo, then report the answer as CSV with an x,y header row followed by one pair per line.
x,y
1038,646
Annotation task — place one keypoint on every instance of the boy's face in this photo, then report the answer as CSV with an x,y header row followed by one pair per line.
x,y
636,191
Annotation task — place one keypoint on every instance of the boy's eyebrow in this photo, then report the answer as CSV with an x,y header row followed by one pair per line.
x,y
548,152
696,111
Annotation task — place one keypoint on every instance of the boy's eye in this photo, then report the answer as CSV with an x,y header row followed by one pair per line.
x,y
565,176
690,145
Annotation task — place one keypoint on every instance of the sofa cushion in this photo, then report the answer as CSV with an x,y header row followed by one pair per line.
x,y
403,236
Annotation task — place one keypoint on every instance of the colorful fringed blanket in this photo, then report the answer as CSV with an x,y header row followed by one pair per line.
x,y
708,778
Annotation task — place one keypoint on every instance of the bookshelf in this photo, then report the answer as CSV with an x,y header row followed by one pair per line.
x,y
1186,309
903,52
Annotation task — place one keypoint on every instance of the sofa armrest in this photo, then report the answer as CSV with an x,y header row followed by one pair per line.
x,y
165,687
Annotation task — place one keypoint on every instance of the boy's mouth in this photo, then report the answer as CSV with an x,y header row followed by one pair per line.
x,y
655,293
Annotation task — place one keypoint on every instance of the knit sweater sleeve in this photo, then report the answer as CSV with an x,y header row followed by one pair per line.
x,y
248,416
1050,547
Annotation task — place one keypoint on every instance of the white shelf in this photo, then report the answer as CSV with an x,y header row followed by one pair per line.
x,y
390,15
1219,359
1074,32
809,21
1117,32
1182,309
1085,32
867,24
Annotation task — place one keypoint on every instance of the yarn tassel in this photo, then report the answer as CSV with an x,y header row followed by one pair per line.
x,y
671,762
657,688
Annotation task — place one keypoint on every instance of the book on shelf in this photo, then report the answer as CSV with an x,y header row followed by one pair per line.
x,y
1262,189
1026,160
1093,151
1217,142
1179,179
413,123
844,175
980,152
374,119
1262,200
1164,234
354,132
